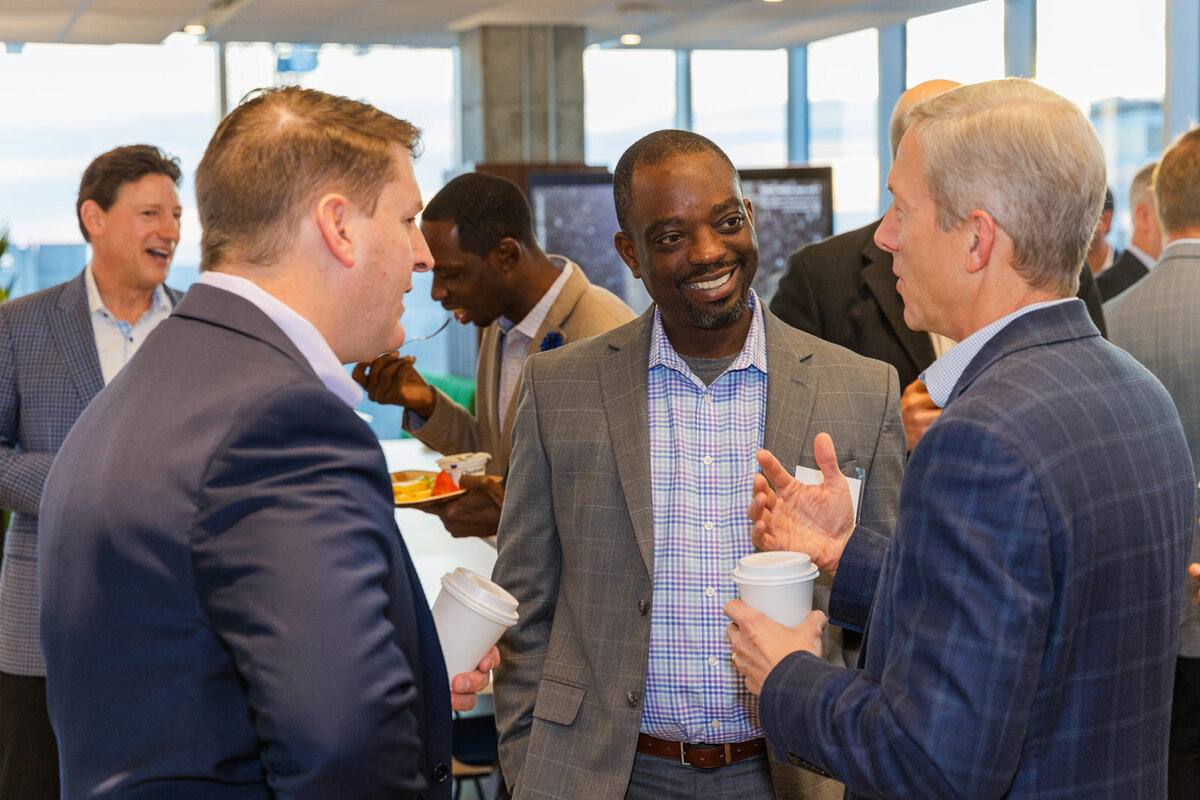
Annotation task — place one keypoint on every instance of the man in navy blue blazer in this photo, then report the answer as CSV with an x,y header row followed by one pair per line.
x,y
228,610
1021,625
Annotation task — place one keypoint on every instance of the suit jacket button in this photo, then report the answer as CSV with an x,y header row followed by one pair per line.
x,y
631,699
440,773
643,607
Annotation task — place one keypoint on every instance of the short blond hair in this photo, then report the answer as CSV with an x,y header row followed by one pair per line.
x,y
273,154
1177,185
1026,156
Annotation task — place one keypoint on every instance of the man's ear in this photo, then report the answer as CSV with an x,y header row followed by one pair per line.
x,y
505,255
749,209
93,217
627,252
333,215
981,233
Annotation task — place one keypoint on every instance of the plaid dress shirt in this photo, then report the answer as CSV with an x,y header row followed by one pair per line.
x,y
702,445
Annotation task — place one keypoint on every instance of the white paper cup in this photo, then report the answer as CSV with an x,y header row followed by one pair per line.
x,y
778,584
470,614
461,464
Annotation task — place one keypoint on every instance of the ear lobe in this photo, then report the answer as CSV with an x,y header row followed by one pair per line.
x,y
505,255
333,212
627,252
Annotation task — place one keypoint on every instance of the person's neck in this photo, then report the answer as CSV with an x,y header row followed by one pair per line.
x,y
710,343
1097,255
126,303
533,280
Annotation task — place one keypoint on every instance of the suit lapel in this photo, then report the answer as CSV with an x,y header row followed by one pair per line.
x,y
622,375
71,326
877,274
791,395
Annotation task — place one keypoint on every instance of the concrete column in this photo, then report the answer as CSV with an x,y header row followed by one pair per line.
x,y
521,90
893,79
683,90
797,105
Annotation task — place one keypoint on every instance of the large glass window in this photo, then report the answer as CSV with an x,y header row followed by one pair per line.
x,y
66,104
1110,57
964,44
627,94
843,92
739,100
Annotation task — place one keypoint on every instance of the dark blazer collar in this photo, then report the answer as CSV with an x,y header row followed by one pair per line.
x,y
1057,323
227,310
879,278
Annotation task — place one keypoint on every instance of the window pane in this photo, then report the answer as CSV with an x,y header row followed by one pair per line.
x,y
66,104
1110,60
627,94
843,80
739,100
964,44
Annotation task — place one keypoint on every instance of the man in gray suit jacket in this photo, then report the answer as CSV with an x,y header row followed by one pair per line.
x,y
58,348
633,455
1158,321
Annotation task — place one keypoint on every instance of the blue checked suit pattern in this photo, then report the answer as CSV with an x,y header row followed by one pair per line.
x,y
49,372
1022,638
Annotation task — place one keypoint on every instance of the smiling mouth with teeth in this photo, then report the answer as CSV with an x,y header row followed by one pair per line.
x,y
159,253
713,284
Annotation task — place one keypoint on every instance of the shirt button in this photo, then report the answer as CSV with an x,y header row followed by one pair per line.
x,y
716,723
706,460
709,591
712,661
631,698
708,526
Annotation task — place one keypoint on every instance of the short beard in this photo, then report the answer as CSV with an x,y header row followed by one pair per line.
x,y
722,318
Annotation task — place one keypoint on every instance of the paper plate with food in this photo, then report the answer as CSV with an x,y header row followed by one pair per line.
x,y
419,487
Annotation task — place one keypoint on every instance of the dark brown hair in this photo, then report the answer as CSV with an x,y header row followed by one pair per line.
x,y
107,173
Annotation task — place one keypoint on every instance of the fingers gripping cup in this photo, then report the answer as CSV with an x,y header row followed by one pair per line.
x,y
470,614
461,464
778,584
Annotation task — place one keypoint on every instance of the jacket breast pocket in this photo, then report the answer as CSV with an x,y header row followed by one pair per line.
x,y
558,701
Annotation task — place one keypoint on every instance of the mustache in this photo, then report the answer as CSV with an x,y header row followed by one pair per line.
x,y
711,269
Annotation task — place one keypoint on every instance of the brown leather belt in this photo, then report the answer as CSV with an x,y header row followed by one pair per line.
x,y
717,755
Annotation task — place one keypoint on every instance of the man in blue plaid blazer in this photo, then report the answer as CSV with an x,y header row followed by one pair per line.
x,y
58,348
1023,620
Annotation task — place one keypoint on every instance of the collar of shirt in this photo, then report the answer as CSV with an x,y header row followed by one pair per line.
x,y
158,302
942,375
533,320
1141,255
1174,242
303,334
753,353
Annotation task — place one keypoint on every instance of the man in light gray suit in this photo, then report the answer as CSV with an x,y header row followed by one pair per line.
x,y
633,457
58,348
1158,321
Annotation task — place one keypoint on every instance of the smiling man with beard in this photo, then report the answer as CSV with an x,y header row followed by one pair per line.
x,y
630,476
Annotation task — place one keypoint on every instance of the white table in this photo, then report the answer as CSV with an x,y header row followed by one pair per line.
x,y
434,551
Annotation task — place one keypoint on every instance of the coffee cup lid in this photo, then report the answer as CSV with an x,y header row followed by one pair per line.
x,y
775,567
481,595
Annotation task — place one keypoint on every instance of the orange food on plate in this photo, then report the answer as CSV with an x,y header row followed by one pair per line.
x,y
444,484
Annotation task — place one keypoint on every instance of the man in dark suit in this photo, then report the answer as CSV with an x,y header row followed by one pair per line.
x,y
843,290
1024,618
58,348
1144,245
228,609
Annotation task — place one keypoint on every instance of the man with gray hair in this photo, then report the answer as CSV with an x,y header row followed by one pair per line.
x,y
1158,320
1022,623
842,289
1144,245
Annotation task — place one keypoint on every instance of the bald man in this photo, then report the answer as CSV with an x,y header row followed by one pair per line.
x,y
842,289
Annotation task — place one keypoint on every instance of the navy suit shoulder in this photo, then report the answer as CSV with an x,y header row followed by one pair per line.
x,y
270,636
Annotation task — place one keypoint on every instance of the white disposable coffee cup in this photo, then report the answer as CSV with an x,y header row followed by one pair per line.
x,y
778,584
461,464
470,614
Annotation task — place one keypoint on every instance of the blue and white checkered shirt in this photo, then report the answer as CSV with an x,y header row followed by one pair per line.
x,y
702,445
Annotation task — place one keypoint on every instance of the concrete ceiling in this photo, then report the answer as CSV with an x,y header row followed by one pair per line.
x,y
672,24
